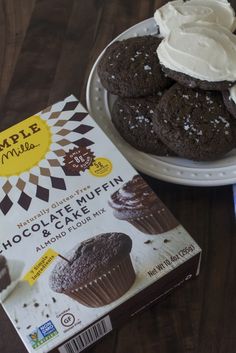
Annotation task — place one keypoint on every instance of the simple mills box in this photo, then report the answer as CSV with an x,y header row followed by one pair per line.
x,y
84,242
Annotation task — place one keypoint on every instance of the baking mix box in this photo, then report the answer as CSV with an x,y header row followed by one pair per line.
x,y
84,242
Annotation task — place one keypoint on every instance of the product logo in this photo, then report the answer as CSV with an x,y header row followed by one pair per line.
x,y
79,159
32,152
23,148
67,320
42,334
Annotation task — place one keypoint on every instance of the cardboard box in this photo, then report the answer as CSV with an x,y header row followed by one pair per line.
x,y
85,243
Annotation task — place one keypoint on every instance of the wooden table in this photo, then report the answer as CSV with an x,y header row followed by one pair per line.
x,y
47,49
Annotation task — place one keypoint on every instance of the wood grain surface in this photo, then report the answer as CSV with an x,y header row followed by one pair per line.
x,y
47,49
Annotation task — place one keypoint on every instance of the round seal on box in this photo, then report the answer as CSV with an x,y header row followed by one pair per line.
x,y
79,159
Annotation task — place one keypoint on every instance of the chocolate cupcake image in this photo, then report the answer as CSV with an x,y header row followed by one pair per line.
x,y
136,203
5,279
98,271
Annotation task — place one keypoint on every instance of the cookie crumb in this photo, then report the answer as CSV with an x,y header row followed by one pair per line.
x,y
147,67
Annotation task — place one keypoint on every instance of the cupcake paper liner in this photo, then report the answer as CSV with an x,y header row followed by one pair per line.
x,y
155,224
106,288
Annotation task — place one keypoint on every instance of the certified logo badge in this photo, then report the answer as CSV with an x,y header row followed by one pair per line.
x,y
67,320
42,334
79,159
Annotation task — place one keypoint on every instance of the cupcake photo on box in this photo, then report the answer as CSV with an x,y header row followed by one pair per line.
x,y
136,203
10,275
97,272
5,279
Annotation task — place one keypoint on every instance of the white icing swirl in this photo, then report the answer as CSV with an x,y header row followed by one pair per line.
x,y
205,51
232,93
176,13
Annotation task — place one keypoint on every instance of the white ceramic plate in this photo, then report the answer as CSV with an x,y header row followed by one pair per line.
x,y
172,169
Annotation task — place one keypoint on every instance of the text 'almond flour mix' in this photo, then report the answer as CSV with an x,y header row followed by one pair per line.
x,y
84,242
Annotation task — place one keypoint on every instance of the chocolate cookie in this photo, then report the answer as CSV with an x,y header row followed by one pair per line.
x,y
98,271
192,82
130,68
132,118
195,124
136,203
229,103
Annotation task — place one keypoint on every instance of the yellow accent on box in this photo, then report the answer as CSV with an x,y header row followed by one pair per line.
x,y
101,167
40,266
23,146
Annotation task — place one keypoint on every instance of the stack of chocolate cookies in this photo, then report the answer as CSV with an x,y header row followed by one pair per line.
x,y
176,91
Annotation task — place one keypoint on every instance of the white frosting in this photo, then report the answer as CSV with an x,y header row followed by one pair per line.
x,y
176,13
232,93
202,50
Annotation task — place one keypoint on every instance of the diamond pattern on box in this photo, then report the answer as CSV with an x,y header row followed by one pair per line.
x,y
6,204
45,171
70,105
54,115
59,153
58,183
64,120
60,123
63,132
63,142
83,129
54,162
7,187
24,200
42,193
33,179
20,184
83,142
78,116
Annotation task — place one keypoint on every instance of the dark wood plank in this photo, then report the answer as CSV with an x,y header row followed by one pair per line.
x,y
37,62
14,19
61,44
59,30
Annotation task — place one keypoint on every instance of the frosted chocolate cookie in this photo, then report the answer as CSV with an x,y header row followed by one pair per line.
x,y
132,117
195,124
175,13
200,55
229,97
130,68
